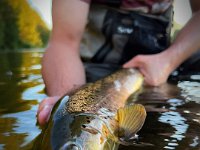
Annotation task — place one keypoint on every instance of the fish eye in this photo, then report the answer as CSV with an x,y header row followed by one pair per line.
x,y
70,146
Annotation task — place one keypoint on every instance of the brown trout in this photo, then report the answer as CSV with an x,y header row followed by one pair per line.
x,y
95,116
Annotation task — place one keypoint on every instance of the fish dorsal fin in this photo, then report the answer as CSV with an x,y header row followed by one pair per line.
x,y
131,119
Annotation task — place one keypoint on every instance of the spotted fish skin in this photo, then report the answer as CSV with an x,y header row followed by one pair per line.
x,y
110,92
86,119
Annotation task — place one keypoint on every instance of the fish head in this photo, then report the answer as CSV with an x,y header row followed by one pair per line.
x,y
77,131
84,132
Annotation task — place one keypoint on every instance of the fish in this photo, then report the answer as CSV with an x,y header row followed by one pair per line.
x,y
96,117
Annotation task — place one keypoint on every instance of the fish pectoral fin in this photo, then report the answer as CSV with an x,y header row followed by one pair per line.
x,y
131,119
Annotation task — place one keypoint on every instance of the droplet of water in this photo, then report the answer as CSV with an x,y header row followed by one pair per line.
x,y
186,111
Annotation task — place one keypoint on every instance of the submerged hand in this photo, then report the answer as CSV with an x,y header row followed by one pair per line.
x,y
45,108
155,68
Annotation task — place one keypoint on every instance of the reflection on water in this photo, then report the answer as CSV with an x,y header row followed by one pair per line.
x,y
21,89
191,90
173,119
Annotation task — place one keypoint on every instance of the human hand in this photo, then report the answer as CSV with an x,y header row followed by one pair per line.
x,y
45,108
155,68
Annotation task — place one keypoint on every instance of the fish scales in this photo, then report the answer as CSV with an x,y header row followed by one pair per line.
x,y
102,93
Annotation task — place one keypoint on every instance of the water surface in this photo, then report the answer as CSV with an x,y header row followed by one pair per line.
x,y
173,118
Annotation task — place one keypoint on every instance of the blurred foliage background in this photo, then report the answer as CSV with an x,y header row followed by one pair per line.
x,y
21,26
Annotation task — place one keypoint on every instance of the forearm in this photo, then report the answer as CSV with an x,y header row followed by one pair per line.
x,y
186,43
62,69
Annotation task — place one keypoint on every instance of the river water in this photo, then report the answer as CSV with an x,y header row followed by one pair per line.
x,y
173,110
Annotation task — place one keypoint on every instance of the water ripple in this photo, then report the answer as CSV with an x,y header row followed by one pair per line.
x,y
177,121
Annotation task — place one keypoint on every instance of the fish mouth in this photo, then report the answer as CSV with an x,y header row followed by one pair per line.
x,y
71,146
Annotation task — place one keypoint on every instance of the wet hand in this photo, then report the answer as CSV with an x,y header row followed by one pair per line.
x,y
155,68
45,108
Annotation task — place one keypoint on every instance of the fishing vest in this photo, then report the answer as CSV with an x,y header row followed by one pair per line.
x,y
118,30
